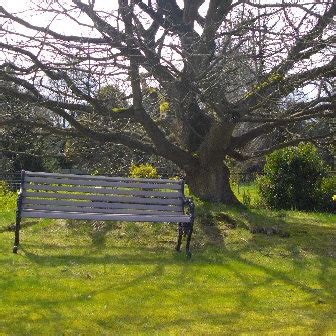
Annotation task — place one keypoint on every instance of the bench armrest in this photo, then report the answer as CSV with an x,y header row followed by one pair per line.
x,y
191,208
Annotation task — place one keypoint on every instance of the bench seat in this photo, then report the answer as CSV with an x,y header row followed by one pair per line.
x,y
87,197
105,217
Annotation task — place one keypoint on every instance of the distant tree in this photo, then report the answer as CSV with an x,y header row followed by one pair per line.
x,y
24,147
204,80
102,157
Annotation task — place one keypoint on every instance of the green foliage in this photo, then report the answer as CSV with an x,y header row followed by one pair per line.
x,y
118,109
273,77
20,140
247,193
7,197
53,164
246,199
159,97
327,192
151,90
292,178
113,97
164,106
3,187
144,170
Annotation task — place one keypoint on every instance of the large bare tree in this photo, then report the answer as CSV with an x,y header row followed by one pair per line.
x,y
203,79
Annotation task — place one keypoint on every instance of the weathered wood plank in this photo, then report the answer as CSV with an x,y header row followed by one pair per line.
x,y
125,199
104,205
100,177
99,190
48,180
103,217
32,207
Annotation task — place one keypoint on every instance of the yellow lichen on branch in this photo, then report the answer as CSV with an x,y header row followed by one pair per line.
x,y
273,77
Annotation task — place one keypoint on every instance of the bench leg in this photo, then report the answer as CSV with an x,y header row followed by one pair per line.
x,y
179,239
189,229
17,234
18,220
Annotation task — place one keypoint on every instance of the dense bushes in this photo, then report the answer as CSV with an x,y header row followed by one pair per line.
x,y
7,197
295,178
327,191
143,171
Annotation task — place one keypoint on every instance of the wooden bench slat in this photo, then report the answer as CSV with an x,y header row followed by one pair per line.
x,y
66,209
102,178
103,198
105,205
98,190
148,185
112,217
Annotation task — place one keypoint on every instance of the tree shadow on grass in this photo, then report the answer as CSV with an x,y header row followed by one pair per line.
x,y
234,262
210,233
207,226
54,305
209,236
99,232
264,231
213,252
300,237
155,256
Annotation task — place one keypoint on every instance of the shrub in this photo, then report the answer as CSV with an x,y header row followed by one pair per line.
x,y
4,189
247,199
7,197
292,178
144,170
326,194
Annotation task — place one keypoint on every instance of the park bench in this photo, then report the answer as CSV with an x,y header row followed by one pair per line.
x,y
102,198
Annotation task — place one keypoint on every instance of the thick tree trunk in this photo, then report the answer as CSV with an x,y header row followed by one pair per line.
x,y
210,182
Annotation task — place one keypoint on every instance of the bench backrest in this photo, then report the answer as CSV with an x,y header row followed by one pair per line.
x,y
45,192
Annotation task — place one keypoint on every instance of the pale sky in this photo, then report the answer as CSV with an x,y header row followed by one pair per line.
x,y
68,27
21,7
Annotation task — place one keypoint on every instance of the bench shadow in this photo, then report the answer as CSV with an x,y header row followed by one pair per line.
x,y
97,230
136,256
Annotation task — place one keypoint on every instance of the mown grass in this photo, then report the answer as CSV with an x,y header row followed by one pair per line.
x,y
249,191
84,278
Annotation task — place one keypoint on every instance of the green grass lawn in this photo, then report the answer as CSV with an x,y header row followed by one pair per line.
x,y
249,191
81,278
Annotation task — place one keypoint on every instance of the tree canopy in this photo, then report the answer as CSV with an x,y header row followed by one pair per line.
x,y
202,80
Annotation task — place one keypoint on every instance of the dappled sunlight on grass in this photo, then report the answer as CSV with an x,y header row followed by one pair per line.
x,y
125,278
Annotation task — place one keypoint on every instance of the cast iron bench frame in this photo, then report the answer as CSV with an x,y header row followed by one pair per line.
x,y
70,196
